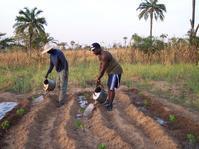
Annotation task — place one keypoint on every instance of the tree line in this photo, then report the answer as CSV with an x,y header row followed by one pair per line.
x,y
30,29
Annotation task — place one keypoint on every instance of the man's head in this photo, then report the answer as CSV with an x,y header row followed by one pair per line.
x,y
96,48
48,47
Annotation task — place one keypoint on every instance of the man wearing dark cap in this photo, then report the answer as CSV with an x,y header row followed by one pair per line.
x,y
109,65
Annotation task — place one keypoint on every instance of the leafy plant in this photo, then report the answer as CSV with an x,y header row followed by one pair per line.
x,y
146,103
191,138
5,124
101,146
79,124
21,111
82,110
172,118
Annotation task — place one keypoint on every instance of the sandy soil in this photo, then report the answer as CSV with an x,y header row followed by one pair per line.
x,y
128,126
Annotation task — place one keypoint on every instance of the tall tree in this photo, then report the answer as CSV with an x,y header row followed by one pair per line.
x,y
72,43
28,21
125,40
193,31
5,42
153,9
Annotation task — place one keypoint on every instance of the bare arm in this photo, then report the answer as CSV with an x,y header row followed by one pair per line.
x,y
49,69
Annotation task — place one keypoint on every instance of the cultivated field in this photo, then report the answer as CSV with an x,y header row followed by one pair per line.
x,y
156,106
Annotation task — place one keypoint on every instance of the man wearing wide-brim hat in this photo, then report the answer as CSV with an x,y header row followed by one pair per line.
x,y
59,61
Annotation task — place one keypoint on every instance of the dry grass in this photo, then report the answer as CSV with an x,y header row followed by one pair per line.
x,y
170,55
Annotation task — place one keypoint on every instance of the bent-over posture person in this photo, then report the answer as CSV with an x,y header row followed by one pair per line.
x,y
109,65
59,61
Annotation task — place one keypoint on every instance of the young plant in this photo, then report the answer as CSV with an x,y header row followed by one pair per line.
x,y
82,110
21,111
191,138
101,146
146,103
79,124
172,118
5,124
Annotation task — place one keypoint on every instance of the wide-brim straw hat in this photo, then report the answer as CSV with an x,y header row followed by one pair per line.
x,y
48,47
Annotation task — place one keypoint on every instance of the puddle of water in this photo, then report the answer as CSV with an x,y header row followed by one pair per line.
x,y
5,107
161,121
78,116
82,101
80,98
38,99
89,109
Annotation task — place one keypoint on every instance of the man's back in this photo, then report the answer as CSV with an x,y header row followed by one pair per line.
x,y
113,66
58,59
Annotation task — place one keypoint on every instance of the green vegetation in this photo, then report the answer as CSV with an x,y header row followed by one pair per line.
x,y
180,80
146,103
79,124
21,111
101,146
5,125
82,110
29,25
151,8
172,118
191,138
183,76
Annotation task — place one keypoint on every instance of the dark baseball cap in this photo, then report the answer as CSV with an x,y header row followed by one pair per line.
x,y
95,46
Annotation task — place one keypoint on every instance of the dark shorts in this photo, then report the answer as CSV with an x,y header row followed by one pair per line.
x,y
113,81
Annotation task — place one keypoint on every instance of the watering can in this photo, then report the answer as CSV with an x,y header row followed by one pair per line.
x,y
49,85
100,94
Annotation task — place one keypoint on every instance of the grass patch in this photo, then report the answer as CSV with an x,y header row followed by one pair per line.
x,y
5,125
23,79
191,138
79,124
21,111
101,146
172,118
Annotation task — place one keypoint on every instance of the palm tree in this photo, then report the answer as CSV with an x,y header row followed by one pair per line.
x,y
29,22
125,38
72,43
6,42
152,9
193,31
193,17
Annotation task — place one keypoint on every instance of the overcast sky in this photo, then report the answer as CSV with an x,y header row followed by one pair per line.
x,y
108,21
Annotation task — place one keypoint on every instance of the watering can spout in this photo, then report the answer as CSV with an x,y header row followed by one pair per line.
x,y
100,94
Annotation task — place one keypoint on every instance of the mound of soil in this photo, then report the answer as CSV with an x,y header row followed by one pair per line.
x,y
131,124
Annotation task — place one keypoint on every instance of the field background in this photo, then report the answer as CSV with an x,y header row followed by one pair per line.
x,y
168,73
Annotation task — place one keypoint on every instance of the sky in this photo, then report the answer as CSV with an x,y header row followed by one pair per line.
x,y
103,21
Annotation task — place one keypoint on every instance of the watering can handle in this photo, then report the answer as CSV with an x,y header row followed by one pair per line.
x,y
100,84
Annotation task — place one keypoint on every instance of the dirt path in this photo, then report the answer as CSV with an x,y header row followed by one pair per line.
x,y
126,127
